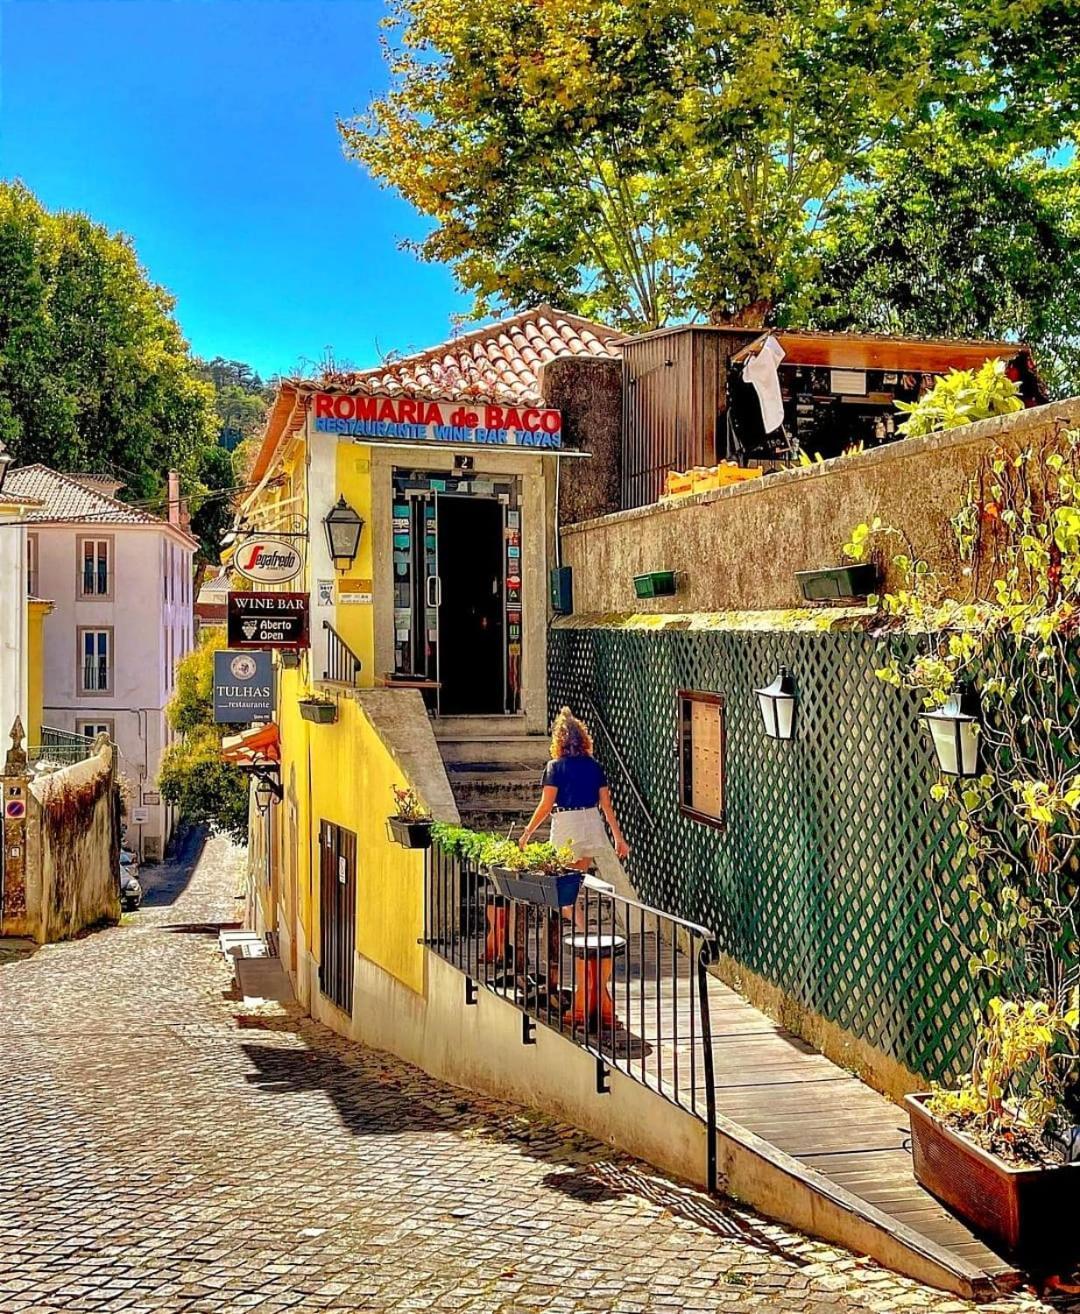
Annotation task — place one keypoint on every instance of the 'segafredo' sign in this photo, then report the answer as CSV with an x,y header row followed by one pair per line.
x,y
410,419
267,560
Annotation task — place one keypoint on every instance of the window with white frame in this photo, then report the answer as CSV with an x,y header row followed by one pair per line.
x,y
95,576
95,660
91,729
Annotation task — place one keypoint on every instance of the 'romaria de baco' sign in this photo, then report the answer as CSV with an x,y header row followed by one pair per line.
x,y
268,620
411,419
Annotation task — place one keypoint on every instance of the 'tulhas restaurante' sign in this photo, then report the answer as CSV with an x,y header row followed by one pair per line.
x,y
411,420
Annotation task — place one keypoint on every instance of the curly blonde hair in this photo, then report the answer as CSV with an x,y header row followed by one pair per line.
x,y
569,736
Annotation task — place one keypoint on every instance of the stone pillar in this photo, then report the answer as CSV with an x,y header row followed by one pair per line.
x,y
15,791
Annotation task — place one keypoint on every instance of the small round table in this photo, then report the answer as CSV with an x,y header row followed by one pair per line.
x,y
594,957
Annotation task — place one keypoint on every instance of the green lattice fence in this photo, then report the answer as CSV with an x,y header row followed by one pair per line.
x,y
836,872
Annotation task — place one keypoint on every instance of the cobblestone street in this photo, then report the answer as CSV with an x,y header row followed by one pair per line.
x,y
162,1147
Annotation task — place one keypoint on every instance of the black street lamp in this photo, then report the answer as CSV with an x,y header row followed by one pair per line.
x,y
954,728
343,529
267,791
777,702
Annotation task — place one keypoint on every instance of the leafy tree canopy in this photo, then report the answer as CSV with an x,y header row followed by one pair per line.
x,y
952,238
649,160
94,370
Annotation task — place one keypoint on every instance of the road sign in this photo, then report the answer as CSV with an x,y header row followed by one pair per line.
x,y
243,688
268,620
15,809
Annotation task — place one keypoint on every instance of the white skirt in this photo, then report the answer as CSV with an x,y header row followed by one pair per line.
x,y
583,828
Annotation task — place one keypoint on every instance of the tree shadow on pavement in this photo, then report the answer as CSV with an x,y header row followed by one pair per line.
x,y
164,884
375,1095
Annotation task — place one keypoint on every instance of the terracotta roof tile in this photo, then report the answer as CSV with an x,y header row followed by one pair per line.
x,y
68,497
498,363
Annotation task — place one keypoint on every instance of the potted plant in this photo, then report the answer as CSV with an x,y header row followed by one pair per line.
x,y
319,708
1000,1149
539,873
411,825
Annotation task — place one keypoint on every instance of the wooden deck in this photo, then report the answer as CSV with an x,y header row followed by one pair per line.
x,y
821,1139
775,1086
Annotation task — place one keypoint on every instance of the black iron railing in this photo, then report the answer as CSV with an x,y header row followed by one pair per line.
x,y
342,664
61,747
626,982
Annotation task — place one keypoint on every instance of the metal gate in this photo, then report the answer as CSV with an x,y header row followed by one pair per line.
x,y
337,913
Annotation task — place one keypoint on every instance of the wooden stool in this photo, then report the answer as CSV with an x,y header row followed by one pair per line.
x,y
594,963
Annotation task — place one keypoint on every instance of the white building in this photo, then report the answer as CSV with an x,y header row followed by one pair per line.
x,y
121,582
14,616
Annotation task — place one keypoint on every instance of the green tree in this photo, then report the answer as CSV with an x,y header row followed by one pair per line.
x,y
193,777
950,238
213,500
648,160
94,370
241,398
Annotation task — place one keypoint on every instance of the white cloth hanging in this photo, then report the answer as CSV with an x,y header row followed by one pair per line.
x,y
761,371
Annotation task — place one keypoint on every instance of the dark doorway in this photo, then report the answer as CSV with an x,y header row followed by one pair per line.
x,y
337,913
471,647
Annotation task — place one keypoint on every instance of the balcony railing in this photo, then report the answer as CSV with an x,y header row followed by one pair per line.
x,y
626,982
61,747
342,664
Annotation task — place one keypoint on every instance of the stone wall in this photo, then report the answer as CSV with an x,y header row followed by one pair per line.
x,y
739,548
73,848
589,392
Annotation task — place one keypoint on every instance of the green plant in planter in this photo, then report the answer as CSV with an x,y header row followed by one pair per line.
x,y
409,806
1013,637
546,859
460,841
1015,1091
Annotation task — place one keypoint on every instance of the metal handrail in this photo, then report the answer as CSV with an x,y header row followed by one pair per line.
x,y
650,1022
342,664
597,719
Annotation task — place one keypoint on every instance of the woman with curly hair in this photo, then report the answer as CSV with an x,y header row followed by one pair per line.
x,y
576,795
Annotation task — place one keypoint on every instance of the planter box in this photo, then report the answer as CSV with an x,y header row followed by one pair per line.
x,y
534,887
410,834
320,713
656,584
838,582
1030,1211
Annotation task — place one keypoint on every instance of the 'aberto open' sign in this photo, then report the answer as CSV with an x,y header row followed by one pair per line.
x,y
268,620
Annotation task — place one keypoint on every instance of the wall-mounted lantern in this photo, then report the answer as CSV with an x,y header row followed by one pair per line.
x,y
5,460
267,790
777,702
955,728
343,530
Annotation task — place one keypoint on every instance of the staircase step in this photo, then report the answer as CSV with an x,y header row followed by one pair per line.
x,y
496,752
473,727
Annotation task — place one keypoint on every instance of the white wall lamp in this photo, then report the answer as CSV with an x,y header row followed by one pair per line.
x,y
954,729
343,530
777,703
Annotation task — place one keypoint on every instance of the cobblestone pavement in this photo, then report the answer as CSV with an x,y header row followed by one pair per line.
x,y
164,1148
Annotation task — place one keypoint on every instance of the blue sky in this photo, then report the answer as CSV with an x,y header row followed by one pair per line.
x,y
205,129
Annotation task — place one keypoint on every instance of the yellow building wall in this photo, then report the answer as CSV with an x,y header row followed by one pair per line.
x,y
350,773
356,621
35,662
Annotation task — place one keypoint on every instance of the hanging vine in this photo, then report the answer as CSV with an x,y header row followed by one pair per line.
x,y
1014,638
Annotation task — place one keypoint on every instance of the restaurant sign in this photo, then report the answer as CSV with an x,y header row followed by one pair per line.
x,y
267,560
243,688
268,620
409,419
